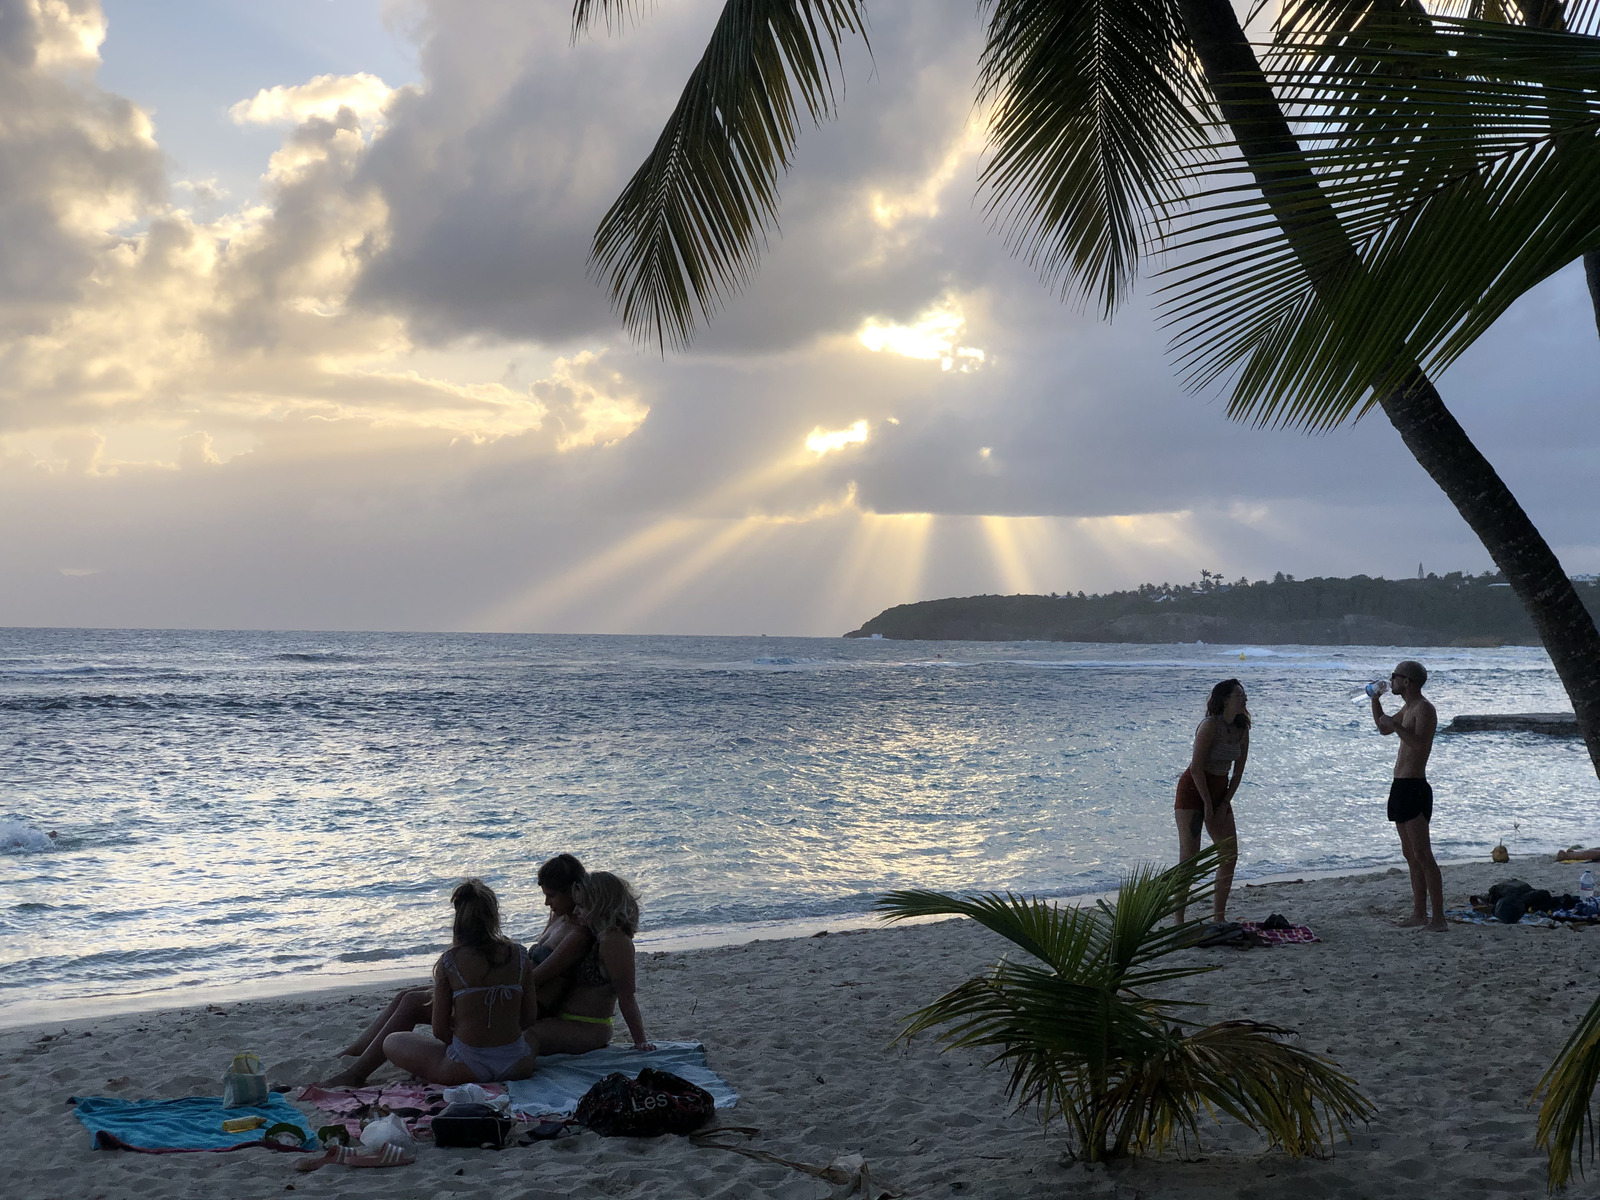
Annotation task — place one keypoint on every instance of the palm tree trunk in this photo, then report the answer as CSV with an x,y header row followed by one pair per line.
x,y
1591,272
1415,408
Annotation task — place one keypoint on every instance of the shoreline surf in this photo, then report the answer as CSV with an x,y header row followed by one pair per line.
x,y
44,1014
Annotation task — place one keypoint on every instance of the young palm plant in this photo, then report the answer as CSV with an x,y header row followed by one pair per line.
x,y
1086,1040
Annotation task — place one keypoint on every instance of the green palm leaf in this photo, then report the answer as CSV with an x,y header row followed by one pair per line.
x,y
1250,1072
1063,939
1566,1121
689,227
1092,102
1454,195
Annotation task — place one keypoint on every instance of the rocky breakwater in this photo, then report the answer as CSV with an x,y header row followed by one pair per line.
x,y
1550,724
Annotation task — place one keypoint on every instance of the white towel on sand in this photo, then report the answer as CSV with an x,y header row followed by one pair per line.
x,y
562,1079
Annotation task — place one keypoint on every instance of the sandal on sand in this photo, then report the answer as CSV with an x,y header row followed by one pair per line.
x,y
356,1156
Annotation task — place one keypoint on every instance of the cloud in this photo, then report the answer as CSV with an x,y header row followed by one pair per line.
x,y
77,164
364,96
588,404
384,392
933,335
822,441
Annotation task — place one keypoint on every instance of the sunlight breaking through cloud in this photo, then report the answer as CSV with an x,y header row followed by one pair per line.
x,y
825,441
363,94
933,336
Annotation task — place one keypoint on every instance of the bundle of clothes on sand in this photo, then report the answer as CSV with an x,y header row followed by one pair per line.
x,y
1513,902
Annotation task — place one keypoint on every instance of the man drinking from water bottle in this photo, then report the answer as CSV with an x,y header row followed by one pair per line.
x,y
1410,795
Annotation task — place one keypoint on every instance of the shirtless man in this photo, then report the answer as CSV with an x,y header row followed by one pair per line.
x,y
1410,795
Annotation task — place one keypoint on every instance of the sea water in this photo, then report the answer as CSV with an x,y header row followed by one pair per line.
x,y
180,809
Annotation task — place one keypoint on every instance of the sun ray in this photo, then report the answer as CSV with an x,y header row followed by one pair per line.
x,y
882,558
543,602
652,595
1130,543
1001,536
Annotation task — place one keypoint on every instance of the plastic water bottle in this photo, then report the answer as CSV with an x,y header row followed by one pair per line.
x,y
1586,886
1376,688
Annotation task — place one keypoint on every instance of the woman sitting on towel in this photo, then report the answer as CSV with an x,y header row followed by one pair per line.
x,y
601,959
483,998
414,1006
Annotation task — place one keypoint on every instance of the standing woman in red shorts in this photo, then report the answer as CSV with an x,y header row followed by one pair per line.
x,y
1205,791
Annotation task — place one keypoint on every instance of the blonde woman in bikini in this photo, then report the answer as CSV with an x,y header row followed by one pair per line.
x,y
601,960
483,999
1205,791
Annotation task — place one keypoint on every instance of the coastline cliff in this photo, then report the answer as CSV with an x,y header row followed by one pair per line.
x,y
1447,610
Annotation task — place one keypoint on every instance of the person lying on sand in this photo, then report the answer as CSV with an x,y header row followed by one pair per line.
x,y
483,999
1578,854
414,1006
601,959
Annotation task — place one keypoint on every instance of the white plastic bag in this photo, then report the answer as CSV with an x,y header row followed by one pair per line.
x,y
243,1084
471,1093
388,1131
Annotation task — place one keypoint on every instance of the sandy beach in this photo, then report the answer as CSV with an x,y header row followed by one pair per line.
x,y
1446,1033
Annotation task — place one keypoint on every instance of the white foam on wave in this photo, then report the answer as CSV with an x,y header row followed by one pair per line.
x,y
17,837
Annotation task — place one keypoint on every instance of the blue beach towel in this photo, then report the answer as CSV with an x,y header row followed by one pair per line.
x,y
562,1079
1467,916
175,1126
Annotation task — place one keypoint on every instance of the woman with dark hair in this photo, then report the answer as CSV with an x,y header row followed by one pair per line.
x,y
602,971
558,879
1205,791
414,1006
483,999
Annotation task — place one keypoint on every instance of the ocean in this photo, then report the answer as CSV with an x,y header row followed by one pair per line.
x,y
278,811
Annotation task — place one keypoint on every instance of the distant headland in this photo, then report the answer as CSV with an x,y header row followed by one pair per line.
x,y
1438,610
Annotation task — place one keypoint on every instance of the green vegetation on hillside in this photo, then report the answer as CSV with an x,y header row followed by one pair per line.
x,y
1440,610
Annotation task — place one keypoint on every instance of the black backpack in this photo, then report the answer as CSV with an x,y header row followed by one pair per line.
x,y
655,1103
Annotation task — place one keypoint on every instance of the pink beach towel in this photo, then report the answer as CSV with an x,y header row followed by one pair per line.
x,y
417,1103
1281,937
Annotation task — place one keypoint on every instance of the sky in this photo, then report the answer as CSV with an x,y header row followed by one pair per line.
x,y
297,332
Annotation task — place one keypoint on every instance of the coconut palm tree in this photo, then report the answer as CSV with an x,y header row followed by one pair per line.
x,y
1452,165
1103,111
1086,1039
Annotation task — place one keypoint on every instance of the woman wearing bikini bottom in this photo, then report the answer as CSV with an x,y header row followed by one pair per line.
x,y
601,958
483,999
1205,793
413,1006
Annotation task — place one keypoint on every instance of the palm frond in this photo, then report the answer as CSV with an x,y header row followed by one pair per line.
x,y
689,226
614,12
1149,896
1067,938
1090,103
1052,1032
1249,1071
1482,180
1566,1118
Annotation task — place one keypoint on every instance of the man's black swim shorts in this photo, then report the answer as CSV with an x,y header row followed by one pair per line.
x,y
1410,798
